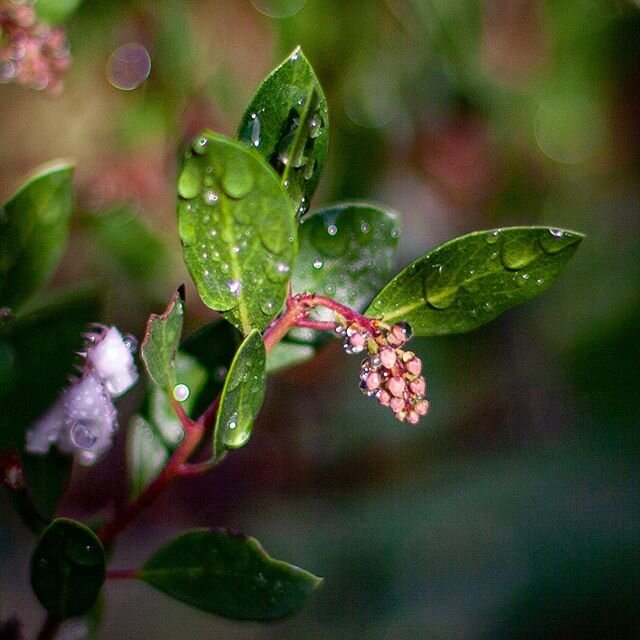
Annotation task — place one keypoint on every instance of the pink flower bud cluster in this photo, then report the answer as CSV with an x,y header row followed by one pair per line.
x,y
389,373
84,419
31,52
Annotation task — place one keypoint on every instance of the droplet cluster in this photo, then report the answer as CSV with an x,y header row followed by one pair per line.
x,y
83,419
389,373
31,52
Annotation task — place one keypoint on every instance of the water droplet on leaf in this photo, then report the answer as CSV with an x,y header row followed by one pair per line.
x,y
181,392
83,434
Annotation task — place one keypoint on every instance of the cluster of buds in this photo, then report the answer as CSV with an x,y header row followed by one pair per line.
x,y
31,52
389,373
83,419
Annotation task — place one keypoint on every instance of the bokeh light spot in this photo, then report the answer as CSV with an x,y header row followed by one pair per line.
x,y
128,66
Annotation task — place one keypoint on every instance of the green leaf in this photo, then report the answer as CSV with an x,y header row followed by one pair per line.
x,y
242,396
286,354
238,231
346,252
228,574
288,123
155,433
161,341
472,279
34,224
122,237
67,568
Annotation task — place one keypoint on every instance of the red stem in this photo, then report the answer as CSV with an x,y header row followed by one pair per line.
x,y
122,574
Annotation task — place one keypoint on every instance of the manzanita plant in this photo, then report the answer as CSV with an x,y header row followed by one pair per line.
x,y
282,277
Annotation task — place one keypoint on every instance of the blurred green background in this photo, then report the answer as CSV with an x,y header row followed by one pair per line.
x,y
513,510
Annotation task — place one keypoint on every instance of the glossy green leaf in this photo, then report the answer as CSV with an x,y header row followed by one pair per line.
x,y
156,431
67,568
238,231
346,252
242,396
288,123
161,339
228,574
472,279
34,224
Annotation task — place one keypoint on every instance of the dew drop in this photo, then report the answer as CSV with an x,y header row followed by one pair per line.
x,y
224,267
210,197
200,145
268,307
232,423
439,293
318,264
255,130
521,279
395,232
130,342
189,181
315,125
517,255
234,286
237,180
83,434
492,237
364,227
555,240
329,288
332,229
181,392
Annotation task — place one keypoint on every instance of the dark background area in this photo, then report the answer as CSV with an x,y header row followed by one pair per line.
x,y
512,510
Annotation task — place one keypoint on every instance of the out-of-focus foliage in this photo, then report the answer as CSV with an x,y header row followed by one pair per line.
x,y
513,511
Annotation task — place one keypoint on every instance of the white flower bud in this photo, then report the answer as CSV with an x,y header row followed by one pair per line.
x,y
112,360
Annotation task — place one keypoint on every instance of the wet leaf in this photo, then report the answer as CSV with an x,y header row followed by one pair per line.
x,y
288,123
161,341
228,574
238,231
472,279
346,252
156,431
242,396
288,353
67,568
34,224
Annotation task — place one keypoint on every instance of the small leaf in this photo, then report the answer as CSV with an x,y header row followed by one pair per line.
x,y
161,341
288,123
155,433
228,574
34,224
472,279
238,231
286,354
242,396
67,568
346,252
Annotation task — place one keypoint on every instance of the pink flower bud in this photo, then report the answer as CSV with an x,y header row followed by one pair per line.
x,y
401,415
412,417
384,398
422,407
396,404
396,336
357,340
418,386
396,386
387,357
373,381
414,366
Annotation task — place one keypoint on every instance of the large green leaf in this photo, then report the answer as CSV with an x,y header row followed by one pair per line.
x,y
228,574
56,11
242,396
238,230
472,279
346,252
288,123
154,433
67,568
34,224
161,339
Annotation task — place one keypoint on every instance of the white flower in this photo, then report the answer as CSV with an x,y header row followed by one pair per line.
x,y
112,359
83,419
